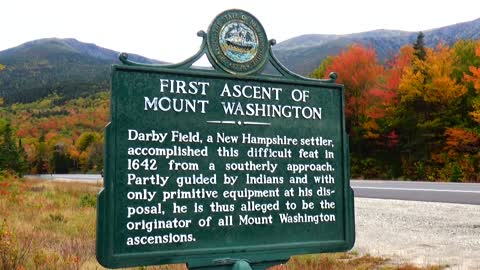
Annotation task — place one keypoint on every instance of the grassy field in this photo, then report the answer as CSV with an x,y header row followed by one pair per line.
x,y
51,225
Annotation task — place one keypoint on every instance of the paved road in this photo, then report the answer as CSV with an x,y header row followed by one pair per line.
x,y
68,177
465,193
400,190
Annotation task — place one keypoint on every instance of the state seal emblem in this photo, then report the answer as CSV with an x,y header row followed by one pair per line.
x,y
237,42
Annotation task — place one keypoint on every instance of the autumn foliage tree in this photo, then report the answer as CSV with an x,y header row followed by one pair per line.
x,y
368,91
473,77
416,115
358,70
428,102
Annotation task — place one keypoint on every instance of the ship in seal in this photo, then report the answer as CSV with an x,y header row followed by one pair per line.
x,y
238,42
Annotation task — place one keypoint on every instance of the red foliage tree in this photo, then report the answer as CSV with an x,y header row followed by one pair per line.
x,y
358,70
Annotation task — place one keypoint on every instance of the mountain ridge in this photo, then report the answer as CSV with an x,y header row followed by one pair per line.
x,y
77,46
305,58
73,68
67,67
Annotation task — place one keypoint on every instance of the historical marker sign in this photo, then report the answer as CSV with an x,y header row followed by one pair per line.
x,y
208,168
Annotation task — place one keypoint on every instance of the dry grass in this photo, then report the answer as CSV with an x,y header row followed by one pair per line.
x,y
49,222
51,225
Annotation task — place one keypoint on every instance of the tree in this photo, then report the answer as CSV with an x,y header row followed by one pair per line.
x,y
474,79
90,146
87,139
370,91
321,71
428,104
383,100
460,159
8,150
22,159
430,82
419,47
358,70
41,157
11,156
441,87
465,53
60,162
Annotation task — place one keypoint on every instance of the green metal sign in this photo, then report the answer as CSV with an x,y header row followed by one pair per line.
x,y
223,168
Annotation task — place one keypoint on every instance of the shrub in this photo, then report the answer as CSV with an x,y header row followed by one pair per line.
x,y
57,218
12,253
88,200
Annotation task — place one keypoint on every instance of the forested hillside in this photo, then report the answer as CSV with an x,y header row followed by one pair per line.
x,y
65,67
52,135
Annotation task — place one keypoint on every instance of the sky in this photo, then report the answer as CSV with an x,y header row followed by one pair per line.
x,y
166,30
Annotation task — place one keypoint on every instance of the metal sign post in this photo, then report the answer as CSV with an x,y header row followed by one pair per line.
x,y
225,168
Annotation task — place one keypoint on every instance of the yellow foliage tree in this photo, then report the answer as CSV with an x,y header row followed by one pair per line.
x,y
431,80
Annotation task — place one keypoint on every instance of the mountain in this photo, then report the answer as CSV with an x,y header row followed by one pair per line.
x,y
305,53
72,68
65,66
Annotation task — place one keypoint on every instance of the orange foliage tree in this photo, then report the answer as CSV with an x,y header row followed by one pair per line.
x,y
474,78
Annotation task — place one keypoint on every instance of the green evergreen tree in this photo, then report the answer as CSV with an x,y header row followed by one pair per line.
x,y
41,160
22,167
60,162
419,47
9,156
